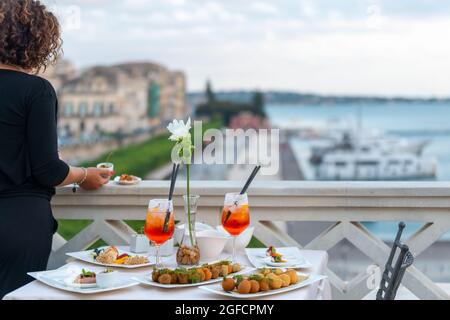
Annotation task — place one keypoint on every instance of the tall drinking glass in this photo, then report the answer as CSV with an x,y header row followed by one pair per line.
x,y
235,216
159,213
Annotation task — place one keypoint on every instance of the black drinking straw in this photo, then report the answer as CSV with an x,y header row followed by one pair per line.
x,y
172,187
250,179
244,189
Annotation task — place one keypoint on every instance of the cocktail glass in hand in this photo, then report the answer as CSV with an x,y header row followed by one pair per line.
x,y
235,216
160,211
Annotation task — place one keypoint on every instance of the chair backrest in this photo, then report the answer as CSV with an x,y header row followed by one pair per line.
x,y
394,272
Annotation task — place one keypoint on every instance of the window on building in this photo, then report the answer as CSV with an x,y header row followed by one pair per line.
x,y
98,109
68,109
83,109
112,108
153,106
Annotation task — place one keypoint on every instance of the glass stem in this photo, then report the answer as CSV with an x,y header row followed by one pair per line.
x,y
189,204
234,250
158,258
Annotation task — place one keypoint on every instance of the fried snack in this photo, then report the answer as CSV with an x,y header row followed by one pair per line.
x,y
215,272
165,279
224,271
228,284
126,178
264,284
183,278
193,275
236,267
208,274
275,283
155,275
254,286
293,275
244,287
286,280
277,271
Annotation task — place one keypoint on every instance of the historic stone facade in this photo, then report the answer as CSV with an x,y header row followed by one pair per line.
x,y
125,98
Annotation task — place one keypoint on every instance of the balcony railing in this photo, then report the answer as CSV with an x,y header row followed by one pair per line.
x,y
345,204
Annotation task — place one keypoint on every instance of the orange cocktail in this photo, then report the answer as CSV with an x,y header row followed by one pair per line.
x,y
159,224
154,227
238,219
235,216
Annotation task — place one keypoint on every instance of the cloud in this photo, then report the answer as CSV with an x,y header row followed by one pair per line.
x,y
264,7
353,46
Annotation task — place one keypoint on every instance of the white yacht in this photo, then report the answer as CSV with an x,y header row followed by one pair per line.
x,y
352,156
375,165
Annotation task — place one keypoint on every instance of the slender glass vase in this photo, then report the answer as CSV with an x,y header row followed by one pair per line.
x,y
188,253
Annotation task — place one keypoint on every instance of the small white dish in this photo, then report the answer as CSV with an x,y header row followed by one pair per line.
x,y
211,244
293,255
139,243
108,279
106,165
242,240
217,288
179,230
269,262
135,181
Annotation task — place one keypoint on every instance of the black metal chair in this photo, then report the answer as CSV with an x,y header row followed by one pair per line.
x,y
394,272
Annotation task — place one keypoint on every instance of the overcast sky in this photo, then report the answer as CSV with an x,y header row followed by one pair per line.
x,y
382,47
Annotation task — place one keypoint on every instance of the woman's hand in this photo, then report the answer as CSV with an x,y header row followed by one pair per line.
x,y
96,178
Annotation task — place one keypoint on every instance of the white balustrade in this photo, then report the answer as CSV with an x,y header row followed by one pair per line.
x,y
346,204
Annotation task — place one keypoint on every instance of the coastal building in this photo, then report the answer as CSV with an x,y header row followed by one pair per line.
x,y
124,98
60,73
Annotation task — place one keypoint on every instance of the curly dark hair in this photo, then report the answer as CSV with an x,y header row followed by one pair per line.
x,y
30,36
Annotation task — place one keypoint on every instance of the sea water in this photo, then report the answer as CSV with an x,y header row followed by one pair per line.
x,y
414,121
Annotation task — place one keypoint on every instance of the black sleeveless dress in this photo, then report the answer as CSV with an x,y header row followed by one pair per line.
x,y
30,169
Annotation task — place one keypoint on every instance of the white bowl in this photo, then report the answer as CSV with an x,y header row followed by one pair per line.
x,y
211,244
242,240
107,280
179,230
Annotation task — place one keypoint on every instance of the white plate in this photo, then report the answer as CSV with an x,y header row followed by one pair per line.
x,y
127,183
147,280
87,256
268,261
58,279
217,288
296,260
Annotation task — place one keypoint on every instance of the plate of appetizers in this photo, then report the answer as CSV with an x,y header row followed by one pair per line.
x,y
113,257
84,281
191,277
283,257
127,180
262,282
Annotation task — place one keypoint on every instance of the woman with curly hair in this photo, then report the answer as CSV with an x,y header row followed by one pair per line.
x,y
30,167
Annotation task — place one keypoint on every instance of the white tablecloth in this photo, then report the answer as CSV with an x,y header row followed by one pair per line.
x,y
39,291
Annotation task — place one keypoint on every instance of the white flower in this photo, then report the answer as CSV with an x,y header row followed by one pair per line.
x,y
179,130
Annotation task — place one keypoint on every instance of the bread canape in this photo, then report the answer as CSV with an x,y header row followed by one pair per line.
x,y
111,255
204,273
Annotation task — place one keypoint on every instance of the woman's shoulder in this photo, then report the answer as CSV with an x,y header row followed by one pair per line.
x,y
40,86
